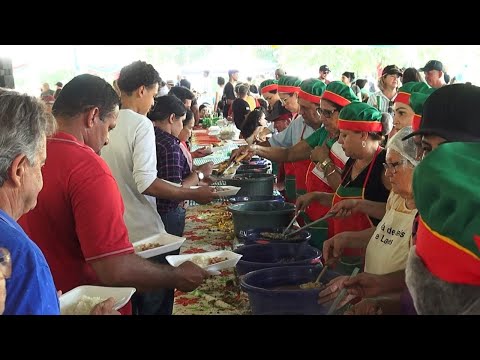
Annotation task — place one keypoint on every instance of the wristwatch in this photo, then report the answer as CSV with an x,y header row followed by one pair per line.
x,y
325,163
200,175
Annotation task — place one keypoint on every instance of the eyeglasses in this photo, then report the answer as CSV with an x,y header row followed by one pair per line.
x,y
393,166
5,263
283,101
390,107
326,113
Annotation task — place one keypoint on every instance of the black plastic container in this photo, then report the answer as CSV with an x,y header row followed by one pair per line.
x,y
253,184
256,214
265,298
259,256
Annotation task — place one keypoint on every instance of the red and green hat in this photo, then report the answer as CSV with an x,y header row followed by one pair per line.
x,y
289,84
359,116
339,93
448,200
268,85
312,90
414,94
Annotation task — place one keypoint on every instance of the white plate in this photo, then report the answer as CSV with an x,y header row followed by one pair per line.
x,y
169,243
227,190
176,260
121,294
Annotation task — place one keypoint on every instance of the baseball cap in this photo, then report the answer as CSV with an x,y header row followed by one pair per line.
x,y
59,84
324,68
391,70
452,113
433,65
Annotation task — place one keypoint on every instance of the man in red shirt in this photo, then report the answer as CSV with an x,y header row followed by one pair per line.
x,y
78,222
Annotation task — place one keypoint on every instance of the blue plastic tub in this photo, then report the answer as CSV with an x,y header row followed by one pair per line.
x,y
254,236
258,256
265,299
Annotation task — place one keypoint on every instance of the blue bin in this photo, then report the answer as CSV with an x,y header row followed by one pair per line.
x,y
260,256
265,300
253,236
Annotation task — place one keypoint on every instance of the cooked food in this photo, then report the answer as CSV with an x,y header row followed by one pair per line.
x,y
278,236
205,260
149,246
84,306
312,285
218,188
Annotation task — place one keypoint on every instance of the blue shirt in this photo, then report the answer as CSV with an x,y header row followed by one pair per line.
x,y
30,289
172,165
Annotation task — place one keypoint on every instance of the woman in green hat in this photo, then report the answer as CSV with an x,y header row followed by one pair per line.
x,y
288,89
408,105
362,128
327,159
387,245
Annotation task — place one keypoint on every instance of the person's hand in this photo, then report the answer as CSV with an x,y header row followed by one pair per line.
x,y
204,195
320,153
190,276
345,207
105,308
206,168
333,247
303,201
332,290
201,152
245,149
365,307
365,285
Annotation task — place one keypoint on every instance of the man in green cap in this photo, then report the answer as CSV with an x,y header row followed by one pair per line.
x,y
443,268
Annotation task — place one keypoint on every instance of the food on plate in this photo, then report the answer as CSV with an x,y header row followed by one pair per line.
x,y
83,306
204,260
144,247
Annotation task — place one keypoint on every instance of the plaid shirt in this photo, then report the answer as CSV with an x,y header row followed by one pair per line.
x,y
171,165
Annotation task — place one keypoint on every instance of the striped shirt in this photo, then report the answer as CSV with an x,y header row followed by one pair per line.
x,y
172,165
381,102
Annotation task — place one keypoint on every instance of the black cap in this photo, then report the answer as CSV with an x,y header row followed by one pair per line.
x,y
433,65
452,113
59,84
392,70
324,68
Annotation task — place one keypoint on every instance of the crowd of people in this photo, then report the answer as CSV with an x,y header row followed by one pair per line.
x,y
396,168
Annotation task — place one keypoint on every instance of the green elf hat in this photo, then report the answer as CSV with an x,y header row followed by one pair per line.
x,y
359,116
417,99
268,85
312,90
448,235
405,94
339,93
289,84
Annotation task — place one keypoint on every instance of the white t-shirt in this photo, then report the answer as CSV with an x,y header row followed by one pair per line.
x,y
132,157
292,134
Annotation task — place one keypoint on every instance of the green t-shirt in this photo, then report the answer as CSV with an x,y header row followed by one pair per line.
x,y
318,138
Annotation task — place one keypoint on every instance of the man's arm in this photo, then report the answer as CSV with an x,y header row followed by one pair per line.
x,y
300,151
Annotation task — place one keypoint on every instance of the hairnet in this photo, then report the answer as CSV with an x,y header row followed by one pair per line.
x,y
406,148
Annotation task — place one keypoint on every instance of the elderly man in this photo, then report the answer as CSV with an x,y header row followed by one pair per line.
x,y
31,291
78,222
434,72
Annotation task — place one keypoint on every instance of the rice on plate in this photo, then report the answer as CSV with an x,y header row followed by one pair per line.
x,y
84,306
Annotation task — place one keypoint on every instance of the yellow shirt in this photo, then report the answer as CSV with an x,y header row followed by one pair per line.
x,y
251,102
389,245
